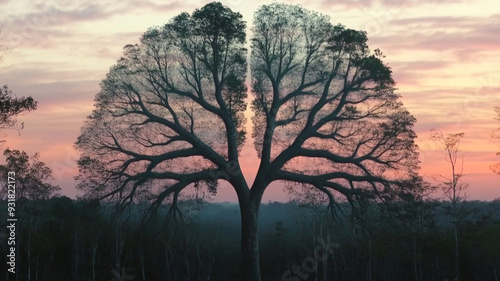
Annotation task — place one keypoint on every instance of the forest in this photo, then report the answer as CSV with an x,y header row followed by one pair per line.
x,y
65,239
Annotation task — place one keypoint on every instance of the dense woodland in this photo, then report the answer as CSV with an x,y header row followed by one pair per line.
x,y
65,239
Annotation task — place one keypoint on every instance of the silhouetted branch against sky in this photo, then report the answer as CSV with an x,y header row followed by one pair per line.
x,y
10,106
32,176
496,135
171,110
452,182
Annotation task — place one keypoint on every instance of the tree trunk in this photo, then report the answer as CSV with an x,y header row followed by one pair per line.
x,y
457,265
118,246
415,262
94,253
325,262
250,267
37,266
76,260
28,254
495,271
369,264
143,270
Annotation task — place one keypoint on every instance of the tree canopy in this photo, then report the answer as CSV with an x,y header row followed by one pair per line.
x,y
10,107
170,113
326,113
32,176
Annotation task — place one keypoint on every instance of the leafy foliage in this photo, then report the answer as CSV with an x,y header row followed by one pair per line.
x,y
496,134
31,175
170,112
326,114
10,107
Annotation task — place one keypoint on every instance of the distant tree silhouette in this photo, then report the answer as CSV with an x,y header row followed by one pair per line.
x,y
413,207
496,134
452,185
170,114
10,107
31,175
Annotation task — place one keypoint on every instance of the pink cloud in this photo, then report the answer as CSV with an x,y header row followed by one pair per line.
x,y
465,37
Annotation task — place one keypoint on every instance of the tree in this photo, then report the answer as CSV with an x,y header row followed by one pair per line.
x,y
496,134
170,114
413,207
31,175
452,186
31,178
10,107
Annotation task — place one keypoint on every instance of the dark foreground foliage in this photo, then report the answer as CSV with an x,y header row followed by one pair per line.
x,y
64,239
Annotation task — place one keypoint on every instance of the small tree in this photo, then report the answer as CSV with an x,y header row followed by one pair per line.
x,y
10,107
31,175
496,134
452,186
31,182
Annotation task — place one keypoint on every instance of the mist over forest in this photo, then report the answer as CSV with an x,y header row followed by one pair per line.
x,y
65,239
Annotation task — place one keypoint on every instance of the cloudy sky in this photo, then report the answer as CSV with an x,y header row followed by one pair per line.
x,y
445,55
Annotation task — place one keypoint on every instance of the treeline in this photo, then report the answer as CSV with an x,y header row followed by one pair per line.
x,y
65,239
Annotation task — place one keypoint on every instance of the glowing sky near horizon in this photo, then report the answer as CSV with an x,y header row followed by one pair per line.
x,y
445,57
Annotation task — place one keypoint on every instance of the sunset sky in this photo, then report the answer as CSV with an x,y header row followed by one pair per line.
x,y
445,57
